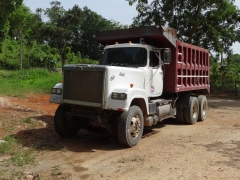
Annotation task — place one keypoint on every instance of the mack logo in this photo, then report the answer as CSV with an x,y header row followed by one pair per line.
x,y
121,74
112,78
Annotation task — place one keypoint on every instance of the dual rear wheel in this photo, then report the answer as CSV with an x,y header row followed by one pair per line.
x,y
196,111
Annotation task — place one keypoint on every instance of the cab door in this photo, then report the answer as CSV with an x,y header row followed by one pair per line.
x,y
156,74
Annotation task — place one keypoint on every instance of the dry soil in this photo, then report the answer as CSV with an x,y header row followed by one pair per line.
x,y
206,150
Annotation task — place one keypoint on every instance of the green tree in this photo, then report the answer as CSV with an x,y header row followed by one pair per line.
x,y
73,32
92,22
212,24
233,71
215,73
42,55
20,27
6,8
9,57
60,29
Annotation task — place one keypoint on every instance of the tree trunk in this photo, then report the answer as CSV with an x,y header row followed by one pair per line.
x,y
63,60
194,26
20,38
235,87
20,54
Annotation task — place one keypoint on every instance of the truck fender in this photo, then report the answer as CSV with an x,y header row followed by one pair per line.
x,y
141,102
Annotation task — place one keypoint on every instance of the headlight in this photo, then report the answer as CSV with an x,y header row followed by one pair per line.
x,y
119,96
59,91
56,91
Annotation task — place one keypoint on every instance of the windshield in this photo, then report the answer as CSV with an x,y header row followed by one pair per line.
x,y
125,56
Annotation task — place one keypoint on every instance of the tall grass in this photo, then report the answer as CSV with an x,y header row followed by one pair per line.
x,y
32,81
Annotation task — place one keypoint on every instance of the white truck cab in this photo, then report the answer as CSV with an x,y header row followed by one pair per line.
x,y
132,71
129,74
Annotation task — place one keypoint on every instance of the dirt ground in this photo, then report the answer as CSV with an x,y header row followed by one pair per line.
x,y
206,150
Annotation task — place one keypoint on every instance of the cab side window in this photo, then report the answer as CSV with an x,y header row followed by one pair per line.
x,y
154,61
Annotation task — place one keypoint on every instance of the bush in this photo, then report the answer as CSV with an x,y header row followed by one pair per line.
x,y
20,83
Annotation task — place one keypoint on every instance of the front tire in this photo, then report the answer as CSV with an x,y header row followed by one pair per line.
x,y
63,122
203,107
130,126
191,112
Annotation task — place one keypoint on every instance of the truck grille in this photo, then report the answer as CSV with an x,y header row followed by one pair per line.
x,y
83,86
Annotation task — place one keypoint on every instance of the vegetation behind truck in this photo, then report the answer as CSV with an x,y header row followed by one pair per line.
x,y
146,75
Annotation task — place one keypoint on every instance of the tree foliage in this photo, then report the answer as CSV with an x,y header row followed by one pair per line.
x,y
6,8
9,58
51,36
232,72
57,30
92,22
212,24
73,31
226,77
40,55
20,22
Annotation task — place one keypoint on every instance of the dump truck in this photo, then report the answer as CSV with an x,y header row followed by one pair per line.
x,y
146,75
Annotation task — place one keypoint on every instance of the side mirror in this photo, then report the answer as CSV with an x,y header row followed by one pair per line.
x,y
167,56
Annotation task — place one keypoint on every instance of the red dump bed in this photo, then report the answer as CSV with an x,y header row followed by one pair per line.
x,y
189,69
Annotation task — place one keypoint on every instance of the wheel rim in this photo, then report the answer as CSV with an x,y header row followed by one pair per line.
x,y
195,110
135,126
204,111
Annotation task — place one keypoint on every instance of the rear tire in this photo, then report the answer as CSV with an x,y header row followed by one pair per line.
x,y
191,112
180,116
63,123
203,107
130,126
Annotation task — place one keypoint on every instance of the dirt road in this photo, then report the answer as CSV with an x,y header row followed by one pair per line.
x,y
206,150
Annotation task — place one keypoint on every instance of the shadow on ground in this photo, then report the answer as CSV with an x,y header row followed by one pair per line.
x,y
230,151
219,103
47,139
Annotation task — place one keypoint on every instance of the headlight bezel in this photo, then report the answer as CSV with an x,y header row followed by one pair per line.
x,y
118,96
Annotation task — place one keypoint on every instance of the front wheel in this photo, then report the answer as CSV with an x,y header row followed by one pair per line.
x,y
63,122
130,126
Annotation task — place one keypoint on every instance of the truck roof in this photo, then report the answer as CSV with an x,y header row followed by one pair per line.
x,y
140,45
152,35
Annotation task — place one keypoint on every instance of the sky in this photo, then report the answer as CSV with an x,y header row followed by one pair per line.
x,y
117,10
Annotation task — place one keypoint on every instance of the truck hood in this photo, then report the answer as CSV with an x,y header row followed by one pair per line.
x,y
124,77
